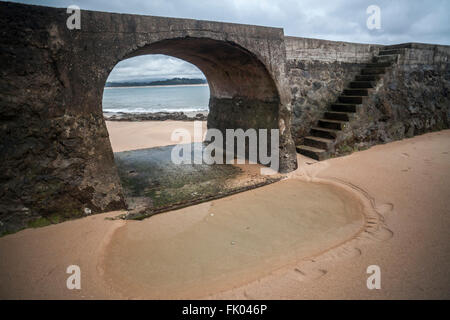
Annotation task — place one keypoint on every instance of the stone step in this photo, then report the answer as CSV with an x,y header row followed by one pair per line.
x,y
368,77
384,64
351,99
392,58
338,115
345,107
350,102
356,92
399,46
362,84
317,142
314,153
324,133
372,71
332,124
390,52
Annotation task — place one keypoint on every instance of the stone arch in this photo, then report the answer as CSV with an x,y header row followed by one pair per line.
x,y
56,156
243,94
231,70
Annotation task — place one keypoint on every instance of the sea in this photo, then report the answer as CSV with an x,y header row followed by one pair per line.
x,y
185,98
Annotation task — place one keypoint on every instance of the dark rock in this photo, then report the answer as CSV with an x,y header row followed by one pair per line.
x,y
56,159
156,116
316,85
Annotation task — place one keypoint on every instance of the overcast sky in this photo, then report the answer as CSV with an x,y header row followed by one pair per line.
x,y
341,20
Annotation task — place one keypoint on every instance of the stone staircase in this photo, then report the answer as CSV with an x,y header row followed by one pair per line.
x,y
320,144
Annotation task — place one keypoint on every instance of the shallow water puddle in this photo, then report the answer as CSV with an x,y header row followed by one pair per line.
x,y
152,182
200,250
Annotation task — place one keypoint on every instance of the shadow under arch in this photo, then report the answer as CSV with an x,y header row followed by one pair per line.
x,y
231,70
243,94
66,157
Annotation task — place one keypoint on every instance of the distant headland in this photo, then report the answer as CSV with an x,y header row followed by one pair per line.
x,y
168,82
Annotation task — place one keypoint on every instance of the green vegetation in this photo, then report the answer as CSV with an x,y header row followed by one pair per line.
x,y
152,183
39,222
345,149
46,221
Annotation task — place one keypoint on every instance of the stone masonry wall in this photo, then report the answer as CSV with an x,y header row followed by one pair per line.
x,y
56,161
412,98
318,71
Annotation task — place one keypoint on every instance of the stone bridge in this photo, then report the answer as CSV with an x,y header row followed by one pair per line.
x,y
55,153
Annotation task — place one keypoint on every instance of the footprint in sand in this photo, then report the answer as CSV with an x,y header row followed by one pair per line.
x,y
347,253
340,253
381,234
385,208
308,275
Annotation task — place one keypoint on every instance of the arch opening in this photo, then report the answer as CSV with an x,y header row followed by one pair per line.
x,y
230,70
242,95
156,84
242,92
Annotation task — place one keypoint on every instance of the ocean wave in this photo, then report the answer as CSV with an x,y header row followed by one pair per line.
x,y
153,110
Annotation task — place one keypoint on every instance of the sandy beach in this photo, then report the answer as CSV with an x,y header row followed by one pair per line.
x,y
310,236
126,135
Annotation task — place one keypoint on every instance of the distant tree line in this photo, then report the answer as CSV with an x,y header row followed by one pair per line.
x,y
173,81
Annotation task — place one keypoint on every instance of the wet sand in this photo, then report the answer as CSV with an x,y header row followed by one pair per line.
x,y
126,135
408,183
404,187
229,242
152,183
33,262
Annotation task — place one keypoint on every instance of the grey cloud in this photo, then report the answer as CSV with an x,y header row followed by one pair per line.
x,y
344,20
340,20
153,67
